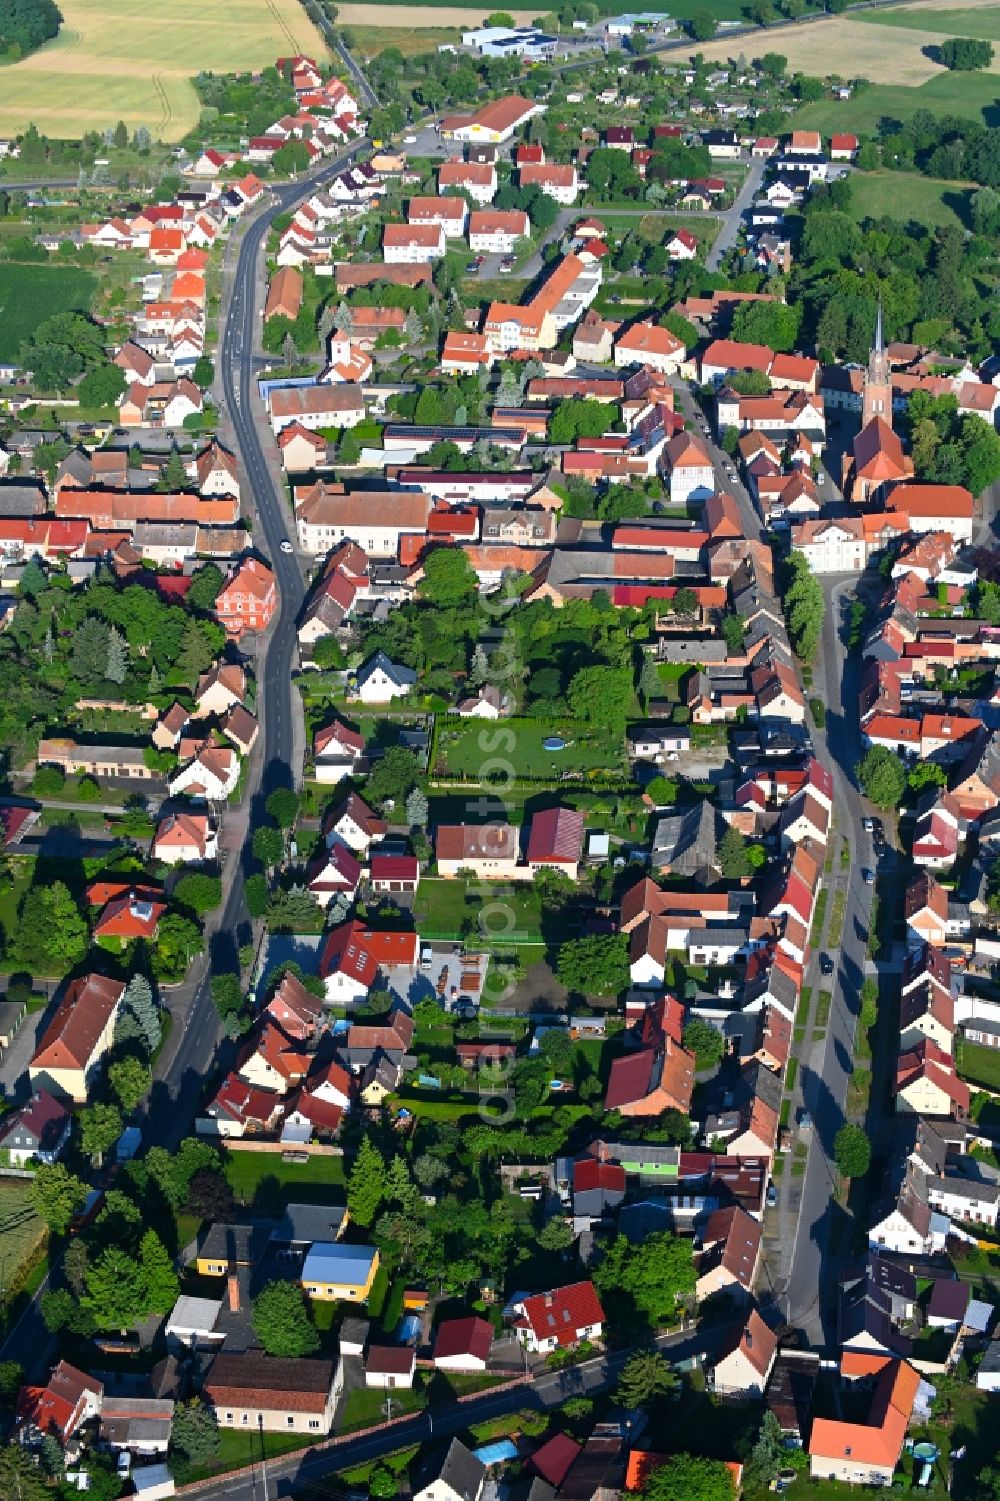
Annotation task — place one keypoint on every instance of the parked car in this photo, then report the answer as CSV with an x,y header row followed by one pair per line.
x,y
825,964
868,876
772,1195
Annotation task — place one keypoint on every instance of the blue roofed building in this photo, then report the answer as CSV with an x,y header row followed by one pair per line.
x,y
335,1272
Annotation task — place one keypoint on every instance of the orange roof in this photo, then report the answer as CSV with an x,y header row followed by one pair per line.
x,y
878,453
932,500
455,174
649,338
880,1440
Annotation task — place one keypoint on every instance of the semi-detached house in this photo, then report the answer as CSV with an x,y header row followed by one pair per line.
x,y
410,244
497,231
450,213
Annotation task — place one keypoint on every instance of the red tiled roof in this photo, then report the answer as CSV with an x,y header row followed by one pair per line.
x,y
563,1313
469,1336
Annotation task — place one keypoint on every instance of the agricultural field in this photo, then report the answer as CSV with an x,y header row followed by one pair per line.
x,y
31,293
905,196
848,48
113,61
973,95
959,20
414,13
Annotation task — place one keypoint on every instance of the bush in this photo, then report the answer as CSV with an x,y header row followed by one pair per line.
x,y
48,781
818,709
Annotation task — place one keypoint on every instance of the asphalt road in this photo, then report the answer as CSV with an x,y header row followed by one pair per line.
x,y
820,1229
545,1390
194,1048
732,217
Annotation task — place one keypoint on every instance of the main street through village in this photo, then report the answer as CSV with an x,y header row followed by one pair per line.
x,y
192,1049
806,1238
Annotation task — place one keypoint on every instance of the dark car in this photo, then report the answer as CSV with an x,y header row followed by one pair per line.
x,y
825,964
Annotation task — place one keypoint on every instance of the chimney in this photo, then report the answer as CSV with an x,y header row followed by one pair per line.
x,y
233,1288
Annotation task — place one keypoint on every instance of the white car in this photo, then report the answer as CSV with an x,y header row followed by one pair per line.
x,y
285,545
410,140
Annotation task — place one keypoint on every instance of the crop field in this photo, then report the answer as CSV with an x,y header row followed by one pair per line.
x,y
905,196
974,95
960,19
114,60
29,294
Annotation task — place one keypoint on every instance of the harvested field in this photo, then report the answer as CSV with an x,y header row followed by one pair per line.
x,y
849,48
374,13
115,61
408,40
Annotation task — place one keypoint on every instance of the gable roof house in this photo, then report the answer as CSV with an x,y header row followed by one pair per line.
x,y
556,841
38,1130
456,1474
560,1319
463,1344
867,1453
68,1399
80,1033
743,1370
254,1391
730,1245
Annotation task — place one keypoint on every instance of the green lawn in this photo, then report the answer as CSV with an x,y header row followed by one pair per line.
x,y
977,1064
469,748
30,294
984,22
21,1234
365,1406
907,195
968,94
262,1180
239,1447
447,910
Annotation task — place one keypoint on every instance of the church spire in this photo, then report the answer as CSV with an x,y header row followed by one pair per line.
x,y
876,398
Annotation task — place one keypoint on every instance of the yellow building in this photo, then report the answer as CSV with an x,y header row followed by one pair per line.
x,y
339,1273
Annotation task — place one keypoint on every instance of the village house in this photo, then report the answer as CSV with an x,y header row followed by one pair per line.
x,y
247,601
744,1369
558,1320
273,1394
73,1046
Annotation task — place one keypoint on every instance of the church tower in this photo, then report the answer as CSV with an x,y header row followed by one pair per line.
x,y
876,397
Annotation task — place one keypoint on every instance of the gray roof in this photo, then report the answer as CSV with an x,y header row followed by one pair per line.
x,y
305,1223
21,498
688,842
991,1359
458,1468
240,1243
